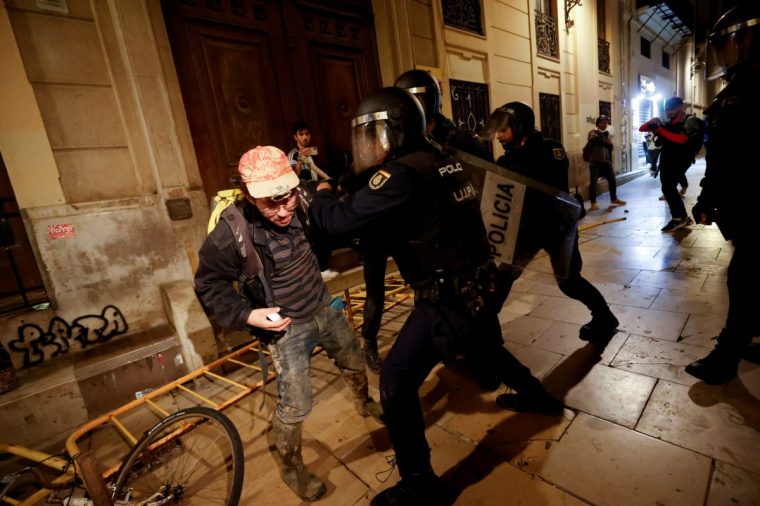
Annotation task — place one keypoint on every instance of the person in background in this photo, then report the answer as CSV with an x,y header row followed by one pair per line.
x,y
653,153
302,156
730,184
600,163
284,303
677,134
301,159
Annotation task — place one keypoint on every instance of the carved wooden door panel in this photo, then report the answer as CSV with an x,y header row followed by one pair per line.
x,y
249,70
232,67
338,84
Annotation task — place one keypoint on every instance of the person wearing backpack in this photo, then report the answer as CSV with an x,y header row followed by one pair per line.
x,y
681,136
259,245
600,161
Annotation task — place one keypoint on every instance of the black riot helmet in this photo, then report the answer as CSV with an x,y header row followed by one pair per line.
x,y
518,116
734,40
601,118
387,122
424,86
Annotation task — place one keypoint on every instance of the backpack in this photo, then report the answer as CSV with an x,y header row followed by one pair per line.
x,y
223,206
587,149
697,139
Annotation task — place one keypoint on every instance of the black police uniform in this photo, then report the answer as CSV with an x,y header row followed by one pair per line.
x,y
424,209
543,227
375,255
729,190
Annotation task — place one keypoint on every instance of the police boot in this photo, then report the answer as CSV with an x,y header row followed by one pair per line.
x,y
365,405
287,439
534,400
602,327
752,353
416,490
717,368
371,355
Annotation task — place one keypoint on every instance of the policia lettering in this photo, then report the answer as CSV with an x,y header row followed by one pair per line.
x,y
501,209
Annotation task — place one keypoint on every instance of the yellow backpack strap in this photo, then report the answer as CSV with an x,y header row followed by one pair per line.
x,y
219,203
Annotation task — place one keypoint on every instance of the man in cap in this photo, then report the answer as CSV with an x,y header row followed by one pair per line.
x,y
730,184
678,134
282,300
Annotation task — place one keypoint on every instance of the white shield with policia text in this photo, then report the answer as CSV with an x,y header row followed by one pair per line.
x,y
501,206
512,234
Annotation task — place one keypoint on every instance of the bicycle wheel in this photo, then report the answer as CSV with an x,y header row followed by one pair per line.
x,y
193,456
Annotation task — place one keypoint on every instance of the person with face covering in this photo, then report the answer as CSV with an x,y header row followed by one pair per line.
x,y
677,134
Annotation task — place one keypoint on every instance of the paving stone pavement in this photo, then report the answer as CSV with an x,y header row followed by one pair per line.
x,y
636,430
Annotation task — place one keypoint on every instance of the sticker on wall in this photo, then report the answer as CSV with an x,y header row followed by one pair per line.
x,y
63,230
61,6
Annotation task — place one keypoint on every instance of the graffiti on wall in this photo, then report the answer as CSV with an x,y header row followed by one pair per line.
x,y
38,345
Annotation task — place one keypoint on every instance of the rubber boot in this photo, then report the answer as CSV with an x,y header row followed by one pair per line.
x,y
287,440
371,355
365,405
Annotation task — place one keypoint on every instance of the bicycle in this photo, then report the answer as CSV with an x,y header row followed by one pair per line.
x,y
193,456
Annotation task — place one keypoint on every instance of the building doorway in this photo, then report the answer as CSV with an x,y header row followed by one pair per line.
x,y
20,280
248,71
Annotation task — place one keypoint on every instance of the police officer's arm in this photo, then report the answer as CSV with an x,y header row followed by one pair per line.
x,y
368,204
219,267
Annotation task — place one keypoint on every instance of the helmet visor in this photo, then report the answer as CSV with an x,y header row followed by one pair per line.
x,y
717,56
371,141
498,121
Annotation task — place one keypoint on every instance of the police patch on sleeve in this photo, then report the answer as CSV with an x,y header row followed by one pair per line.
x,y
559,153
379,179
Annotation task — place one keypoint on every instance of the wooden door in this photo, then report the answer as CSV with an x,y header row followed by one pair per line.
x,y
249,70
20,280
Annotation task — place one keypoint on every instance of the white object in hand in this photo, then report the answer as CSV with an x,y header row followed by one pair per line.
x,y
274,317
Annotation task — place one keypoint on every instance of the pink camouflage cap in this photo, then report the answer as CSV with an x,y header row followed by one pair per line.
x,y
266,172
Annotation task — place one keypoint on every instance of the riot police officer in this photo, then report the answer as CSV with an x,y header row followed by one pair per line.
x,y
439,129
424,86
542,226
729,188
421,204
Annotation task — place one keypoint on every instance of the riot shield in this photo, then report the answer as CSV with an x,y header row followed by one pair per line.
x,y
522,216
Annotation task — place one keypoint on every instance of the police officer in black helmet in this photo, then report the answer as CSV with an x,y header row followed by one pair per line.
x,y
729,188
424,86
422,205
527,152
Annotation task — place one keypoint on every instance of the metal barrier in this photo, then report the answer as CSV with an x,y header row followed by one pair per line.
x,y
218,385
